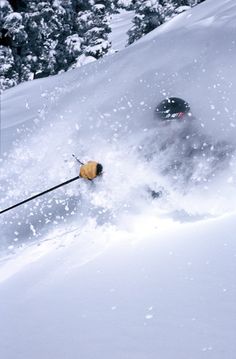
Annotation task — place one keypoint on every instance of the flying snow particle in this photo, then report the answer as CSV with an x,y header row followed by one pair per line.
x,y
33,230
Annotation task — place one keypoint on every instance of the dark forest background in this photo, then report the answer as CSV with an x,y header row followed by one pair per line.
x,y
42,38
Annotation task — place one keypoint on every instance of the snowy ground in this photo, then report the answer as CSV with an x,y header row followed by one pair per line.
x,y
170,295
120,24
101,270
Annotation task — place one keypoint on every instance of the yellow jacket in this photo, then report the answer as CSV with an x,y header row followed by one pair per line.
x,y
89,170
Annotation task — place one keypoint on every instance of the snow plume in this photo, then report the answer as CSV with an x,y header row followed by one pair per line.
x,y
155,159
105,112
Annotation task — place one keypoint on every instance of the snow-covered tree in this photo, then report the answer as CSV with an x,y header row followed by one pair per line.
x,y
33,31
94,29
8,75
12,35
49,24
41,38
125,4
108,5
150,14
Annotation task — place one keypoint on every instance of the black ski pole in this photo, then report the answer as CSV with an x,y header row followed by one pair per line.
x,y
40,194
76,158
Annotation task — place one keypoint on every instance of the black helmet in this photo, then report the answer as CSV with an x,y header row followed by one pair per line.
x,y
172,108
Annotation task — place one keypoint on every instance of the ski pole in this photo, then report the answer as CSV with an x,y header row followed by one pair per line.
x,y
81,163
40,194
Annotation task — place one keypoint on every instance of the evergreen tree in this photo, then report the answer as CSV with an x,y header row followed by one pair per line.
x,y
8,75
94,29
108,5
41,38
150,14
124,4
12,37
49,26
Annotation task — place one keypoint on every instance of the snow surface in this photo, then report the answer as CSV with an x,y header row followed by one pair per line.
x,y
101,270
120,24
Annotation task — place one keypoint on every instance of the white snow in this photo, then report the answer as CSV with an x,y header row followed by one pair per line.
x,y
16,16
120,24
102,270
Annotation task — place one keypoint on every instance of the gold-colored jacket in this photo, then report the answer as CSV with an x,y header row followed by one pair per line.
x,y
89,170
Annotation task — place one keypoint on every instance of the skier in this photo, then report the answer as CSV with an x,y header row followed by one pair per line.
x,y
183,152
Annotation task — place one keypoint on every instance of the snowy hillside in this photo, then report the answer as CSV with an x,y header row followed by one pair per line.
x,y
120,24
101,270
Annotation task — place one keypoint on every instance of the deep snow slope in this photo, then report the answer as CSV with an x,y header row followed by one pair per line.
x,y
120,24
105,111
171,295
100,270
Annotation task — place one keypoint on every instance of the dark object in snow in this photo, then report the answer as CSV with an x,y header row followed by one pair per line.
x,y
156,194
172,108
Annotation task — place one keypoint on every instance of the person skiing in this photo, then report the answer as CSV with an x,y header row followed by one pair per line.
x,y
184,153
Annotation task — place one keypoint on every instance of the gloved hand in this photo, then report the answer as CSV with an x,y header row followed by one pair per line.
x,y
90,170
